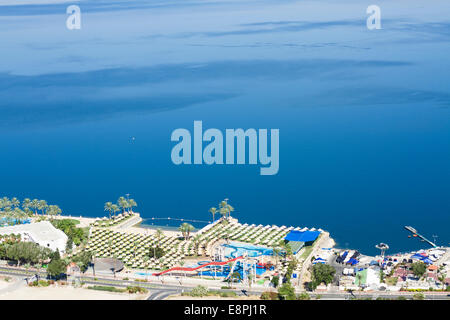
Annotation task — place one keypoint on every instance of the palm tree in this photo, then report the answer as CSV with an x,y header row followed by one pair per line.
x,y
54,210
236,276
186,229
286,248
42,206
225,209
132,204
223,212
6,203
110,243
108,207
19,214
34,205
159,234
115,208
15,202
122,203
26,204
276,253
213,211
197,242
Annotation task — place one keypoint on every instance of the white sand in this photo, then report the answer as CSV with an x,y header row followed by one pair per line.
x,y
66,293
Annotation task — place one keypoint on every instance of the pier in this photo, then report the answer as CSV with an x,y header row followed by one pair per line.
x,y
417,234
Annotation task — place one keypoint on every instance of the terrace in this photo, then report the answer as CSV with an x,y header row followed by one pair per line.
x,y
133,248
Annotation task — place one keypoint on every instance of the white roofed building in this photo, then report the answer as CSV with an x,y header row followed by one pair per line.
x,y
42,233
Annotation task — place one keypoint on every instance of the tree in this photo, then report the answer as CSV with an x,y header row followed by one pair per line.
x,y
155,252
34,205
186,230
442,277
213,211
132,203
122,203
276,253
15,203
83,260
69,245
275,281
68,226
225,209
53,210
109,207
197,239
42,206
115,208
56,268
322,273
419,268
27,252
159,234
236,276
26,204
287,291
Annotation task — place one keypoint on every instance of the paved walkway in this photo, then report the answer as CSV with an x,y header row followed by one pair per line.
x,y
17,284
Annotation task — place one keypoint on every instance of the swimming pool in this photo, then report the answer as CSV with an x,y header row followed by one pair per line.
x,y
223,271
5,222
236,249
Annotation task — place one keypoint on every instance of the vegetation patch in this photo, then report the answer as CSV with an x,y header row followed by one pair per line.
x,y
107,288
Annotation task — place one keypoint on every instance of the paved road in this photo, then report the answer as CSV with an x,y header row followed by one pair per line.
x,y
161,291
162,294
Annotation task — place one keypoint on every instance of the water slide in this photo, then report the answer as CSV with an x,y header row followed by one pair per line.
x,y
212,263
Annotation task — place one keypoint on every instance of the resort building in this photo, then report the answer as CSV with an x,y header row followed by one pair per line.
x,y
42,233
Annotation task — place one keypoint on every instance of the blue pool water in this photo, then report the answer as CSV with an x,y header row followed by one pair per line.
x,y
226,270
4,222
236,249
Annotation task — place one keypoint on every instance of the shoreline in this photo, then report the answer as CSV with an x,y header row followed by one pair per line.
x,y
148,229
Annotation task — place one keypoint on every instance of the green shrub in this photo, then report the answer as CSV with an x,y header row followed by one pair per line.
x,y
43,283
269,295
227,294
199,291
107,288
136,289
303,296
418,296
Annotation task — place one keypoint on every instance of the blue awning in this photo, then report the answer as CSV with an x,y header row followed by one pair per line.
x,y
305,236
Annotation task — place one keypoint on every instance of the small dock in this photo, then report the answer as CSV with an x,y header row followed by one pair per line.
x,y
418,235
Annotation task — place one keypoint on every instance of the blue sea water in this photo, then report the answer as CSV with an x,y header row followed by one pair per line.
x,y
364,115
